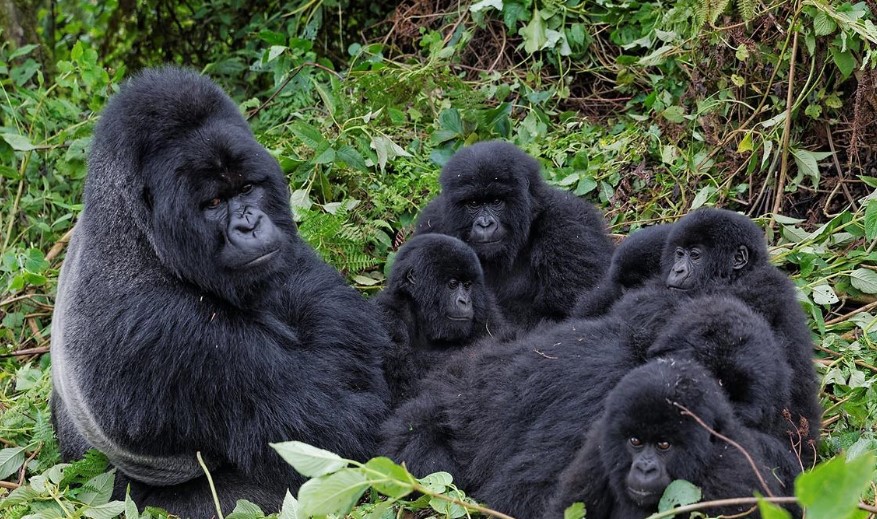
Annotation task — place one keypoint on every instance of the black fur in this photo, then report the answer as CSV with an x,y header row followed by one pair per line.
x,y
429,273
636,260
191,316
766,290
548,246
641,407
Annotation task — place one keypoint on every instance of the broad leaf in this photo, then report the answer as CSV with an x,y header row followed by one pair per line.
x,y
832,490
679,493
11,460
332,494
308,460
388,478
864,280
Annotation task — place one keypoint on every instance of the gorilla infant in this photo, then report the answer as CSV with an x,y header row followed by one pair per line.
x,y
191,316
540,247
436,302
644,441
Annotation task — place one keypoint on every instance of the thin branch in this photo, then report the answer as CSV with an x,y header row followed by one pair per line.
x,y
734,444
210,483
24,353
787,133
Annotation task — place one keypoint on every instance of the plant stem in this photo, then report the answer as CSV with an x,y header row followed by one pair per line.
x,y
212,486
787,131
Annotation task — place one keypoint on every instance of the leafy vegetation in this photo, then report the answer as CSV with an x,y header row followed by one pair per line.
x,y
646,108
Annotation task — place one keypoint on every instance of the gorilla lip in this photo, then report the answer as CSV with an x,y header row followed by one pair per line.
x,y
261,259
640,495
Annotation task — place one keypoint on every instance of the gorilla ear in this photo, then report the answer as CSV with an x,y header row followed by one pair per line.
x,y
412,279
741,257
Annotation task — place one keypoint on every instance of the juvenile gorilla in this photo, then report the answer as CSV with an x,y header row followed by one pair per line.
x,y
540,247
435,302
644,441
191,317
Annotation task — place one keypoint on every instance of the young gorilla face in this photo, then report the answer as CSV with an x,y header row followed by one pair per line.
x,y
443,278
646,441
490,204
711,247
220,220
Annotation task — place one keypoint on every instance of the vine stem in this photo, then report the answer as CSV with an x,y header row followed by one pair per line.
x,y
469,506
787,131
212,486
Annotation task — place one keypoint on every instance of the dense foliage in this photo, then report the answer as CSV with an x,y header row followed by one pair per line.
x,y
646,108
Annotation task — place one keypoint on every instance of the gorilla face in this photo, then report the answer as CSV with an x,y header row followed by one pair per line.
x,y
711,247
647,443
442,277
489,201
219,210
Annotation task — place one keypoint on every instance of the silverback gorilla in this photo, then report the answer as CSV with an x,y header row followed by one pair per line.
x,y
191,316
435,303
645,440
540,247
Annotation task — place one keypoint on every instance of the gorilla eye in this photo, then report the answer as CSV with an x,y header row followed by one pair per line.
x,y
467,285
247,188
496,201
680,252
472,204
636,442
662,446
213,203
452,284
695,254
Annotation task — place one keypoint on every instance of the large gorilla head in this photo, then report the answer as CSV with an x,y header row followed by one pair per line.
x,y
711,246
440,277
210,201
492,191
646,441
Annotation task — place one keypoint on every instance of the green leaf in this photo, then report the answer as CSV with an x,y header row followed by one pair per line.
x,y
674,114
824,295
864,280
534,33
308,460
350,156
437,482
450,120
844,60
289,509
807,163
679,493
274,52
332,494
105,511
871,220
389,478
484,4
575,511
244,509
769,510
832,489
448,508
823,25
18,142
310,136
131,508
365,280
98,490
11,460
745,144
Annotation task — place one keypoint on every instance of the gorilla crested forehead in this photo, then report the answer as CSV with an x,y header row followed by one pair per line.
x,y
644,399
719,228
493,168
442,255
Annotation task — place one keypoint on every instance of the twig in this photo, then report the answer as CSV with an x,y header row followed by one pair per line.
x,y
59,245
8,484
469,506
210,483
787,133
723,502
23,353
734,444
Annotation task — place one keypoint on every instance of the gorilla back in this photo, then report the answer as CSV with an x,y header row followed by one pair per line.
x,y
191,317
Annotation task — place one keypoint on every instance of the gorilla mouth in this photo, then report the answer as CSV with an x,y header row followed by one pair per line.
x,y
459,318
264,258
640,496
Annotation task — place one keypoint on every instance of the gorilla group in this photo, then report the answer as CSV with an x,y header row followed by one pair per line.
x,y
516,349
507,419
191,317
540,247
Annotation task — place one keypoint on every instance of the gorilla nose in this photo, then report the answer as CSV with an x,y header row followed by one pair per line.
x,y
484,223
646,468
464,302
